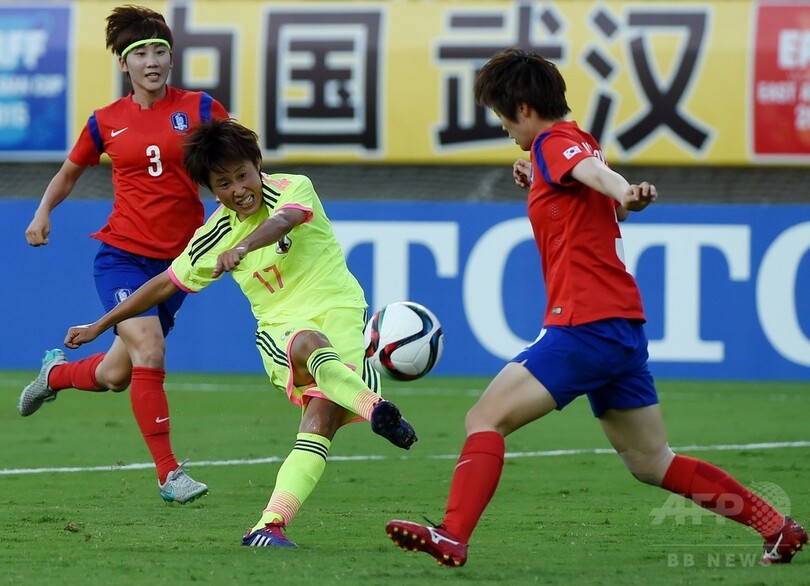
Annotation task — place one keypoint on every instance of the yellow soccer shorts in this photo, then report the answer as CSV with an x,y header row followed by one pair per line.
x,y
342,326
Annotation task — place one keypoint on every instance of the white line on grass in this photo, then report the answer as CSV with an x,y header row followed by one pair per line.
x,y
266,388
260,386
276,459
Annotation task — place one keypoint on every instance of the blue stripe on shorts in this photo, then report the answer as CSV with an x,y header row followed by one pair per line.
x,y
605,360
119,273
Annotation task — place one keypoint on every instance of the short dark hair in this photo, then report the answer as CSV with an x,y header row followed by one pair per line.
x,y
128,24
514,77
215,144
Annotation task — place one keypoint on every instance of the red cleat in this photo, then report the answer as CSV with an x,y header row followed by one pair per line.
x,y
435,541
783,545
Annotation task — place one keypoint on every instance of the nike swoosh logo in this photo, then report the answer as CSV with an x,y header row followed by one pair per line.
x,y
161,419
117,132
774,553
460,464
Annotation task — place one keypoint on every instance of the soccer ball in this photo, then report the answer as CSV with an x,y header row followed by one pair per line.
x,y
403,340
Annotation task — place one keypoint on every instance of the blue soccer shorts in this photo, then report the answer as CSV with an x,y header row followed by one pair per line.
x,y
605,360
119,273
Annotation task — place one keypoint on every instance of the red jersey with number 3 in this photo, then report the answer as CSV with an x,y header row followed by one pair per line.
x,y
577,233
156,207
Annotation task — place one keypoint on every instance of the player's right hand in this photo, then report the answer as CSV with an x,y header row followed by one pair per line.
x,y
38,231
78,335
522,172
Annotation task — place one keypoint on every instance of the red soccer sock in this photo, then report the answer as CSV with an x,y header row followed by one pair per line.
x,y
474,482
714,489
151,410
77,375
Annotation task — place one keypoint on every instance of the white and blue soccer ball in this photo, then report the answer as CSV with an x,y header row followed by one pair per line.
x,y
403,340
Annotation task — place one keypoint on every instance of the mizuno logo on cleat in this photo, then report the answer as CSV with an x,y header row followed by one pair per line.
x,y
436,537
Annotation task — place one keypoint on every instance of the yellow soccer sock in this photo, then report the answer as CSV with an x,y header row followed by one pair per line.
x,y
340,383
296,478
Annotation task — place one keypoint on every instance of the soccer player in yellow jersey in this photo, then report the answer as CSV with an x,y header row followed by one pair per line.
x,y
272,235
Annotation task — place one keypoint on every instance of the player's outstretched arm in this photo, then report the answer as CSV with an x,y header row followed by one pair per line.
x,y
58,189
270,231
597,175
157,290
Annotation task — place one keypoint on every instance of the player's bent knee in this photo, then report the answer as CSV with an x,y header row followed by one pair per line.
x,y
480,419
648,467
115,381
305,343
118,386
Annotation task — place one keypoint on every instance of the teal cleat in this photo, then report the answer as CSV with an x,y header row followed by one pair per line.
x,y
180,487
38,391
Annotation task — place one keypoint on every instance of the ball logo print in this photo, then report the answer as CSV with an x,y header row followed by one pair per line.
x,y
403,340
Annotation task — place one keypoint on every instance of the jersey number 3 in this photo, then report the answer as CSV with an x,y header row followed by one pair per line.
x,y
155,165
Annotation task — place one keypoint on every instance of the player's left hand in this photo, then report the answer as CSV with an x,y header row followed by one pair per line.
x,y
522,172
78,335
229,260
638,197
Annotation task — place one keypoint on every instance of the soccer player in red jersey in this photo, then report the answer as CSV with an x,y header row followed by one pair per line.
x,y
593,341
156,210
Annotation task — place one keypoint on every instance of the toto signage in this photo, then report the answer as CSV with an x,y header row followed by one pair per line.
x,y
726,288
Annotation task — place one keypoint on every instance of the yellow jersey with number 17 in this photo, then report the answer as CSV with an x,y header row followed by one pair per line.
x,y
301,276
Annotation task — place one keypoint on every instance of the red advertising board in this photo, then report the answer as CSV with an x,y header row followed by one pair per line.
x,y
781,92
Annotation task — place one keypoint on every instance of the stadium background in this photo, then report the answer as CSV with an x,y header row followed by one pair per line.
x,y
78,492
372,101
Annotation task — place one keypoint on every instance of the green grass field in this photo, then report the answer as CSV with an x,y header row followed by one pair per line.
x,y
556,519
